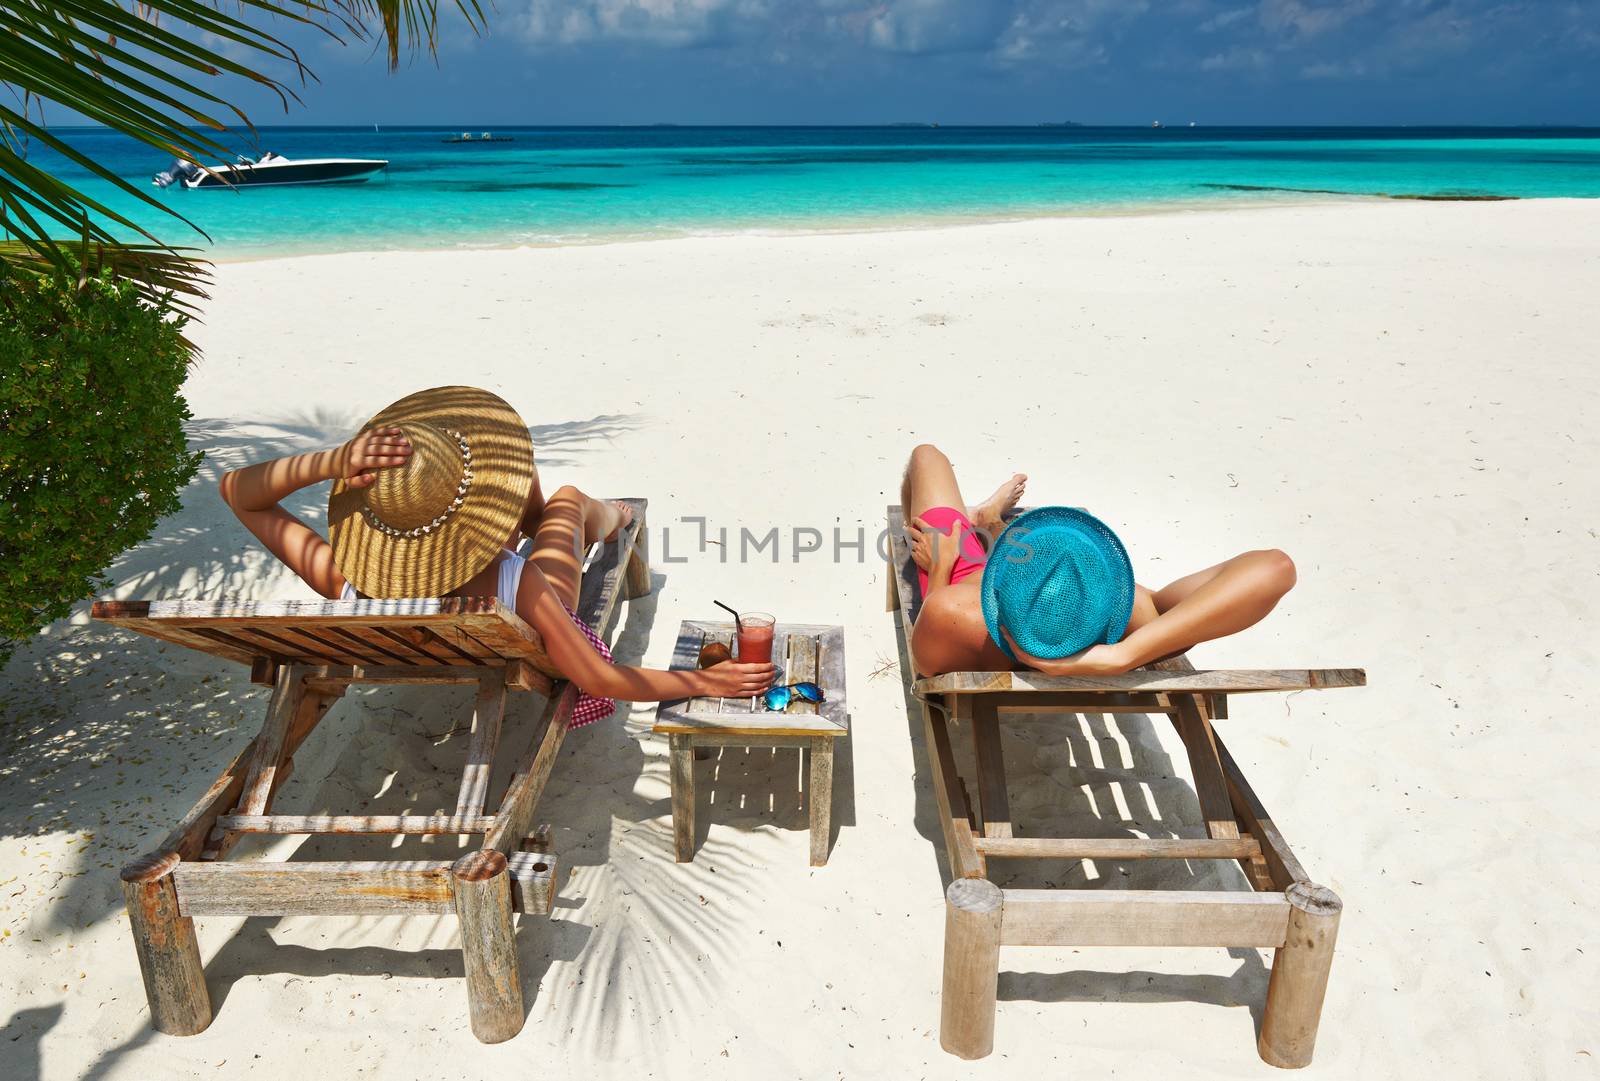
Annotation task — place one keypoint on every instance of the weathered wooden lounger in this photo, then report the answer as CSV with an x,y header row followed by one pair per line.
x,y
310,653
1286,911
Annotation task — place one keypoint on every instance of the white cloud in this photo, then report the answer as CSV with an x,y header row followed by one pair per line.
x,y
1309,20
1235,59
676,23
1224,19
935,26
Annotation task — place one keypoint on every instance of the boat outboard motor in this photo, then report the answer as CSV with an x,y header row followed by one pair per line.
x,y
179,170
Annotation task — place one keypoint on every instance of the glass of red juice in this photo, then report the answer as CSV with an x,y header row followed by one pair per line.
x,y
755,637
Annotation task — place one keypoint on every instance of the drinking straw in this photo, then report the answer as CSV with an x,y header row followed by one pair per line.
x,y
738,626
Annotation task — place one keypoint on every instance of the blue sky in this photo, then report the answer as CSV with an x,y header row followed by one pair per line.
x,y
979,61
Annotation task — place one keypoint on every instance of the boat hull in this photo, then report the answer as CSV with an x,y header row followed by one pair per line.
x,y
283,174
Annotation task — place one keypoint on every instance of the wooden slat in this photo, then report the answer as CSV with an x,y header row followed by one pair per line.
x,y
428,645
1057,702
313,707
421,611
534,880
1200,741
478,643
991,768
740,739
283,889
1116,848
1142,918
680,758
1283,867
1201,681
224,643
295,645
393,642
820,800
521,802
289,889
954,819
174,635
188,838
336,679
908,586
831,667
375,824
369,641
800,666
749,724
601,587
269,745
488,710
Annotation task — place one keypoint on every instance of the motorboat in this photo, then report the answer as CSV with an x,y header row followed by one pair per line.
x,y
272,170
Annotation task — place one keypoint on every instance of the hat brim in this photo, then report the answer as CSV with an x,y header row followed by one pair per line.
x,y
997,566
432,565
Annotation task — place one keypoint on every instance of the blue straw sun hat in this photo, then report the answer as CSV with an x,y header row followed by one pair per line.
x,y
1059,581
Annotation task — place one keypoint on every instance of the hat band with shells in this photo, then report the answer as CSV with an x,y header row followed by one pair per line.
x,y
455,504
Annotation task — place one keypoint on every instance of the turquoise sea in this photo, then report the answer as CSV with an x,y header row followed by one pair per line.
x,y
573,185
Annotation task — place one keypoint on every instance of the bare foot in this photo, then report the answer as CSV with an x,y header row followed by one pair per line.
x,y
624,515
990,515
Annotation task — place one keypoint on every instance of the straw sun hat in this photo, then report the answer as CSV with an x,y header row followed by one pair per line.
x,y
1059,581
424,528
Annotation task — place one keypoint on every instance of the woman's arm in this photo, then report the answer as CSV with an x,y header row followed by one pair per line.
x,y
538,604
255,492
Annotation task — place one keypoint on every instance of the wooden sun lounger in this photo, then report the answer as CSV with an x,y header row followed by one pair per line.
x,y
1286,911
310,653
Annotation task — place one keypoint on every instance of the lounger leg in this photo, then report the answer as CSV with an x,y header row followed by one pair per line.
x,y
483,903
821,799
636,582
169,955
1300,977
972,908
683,797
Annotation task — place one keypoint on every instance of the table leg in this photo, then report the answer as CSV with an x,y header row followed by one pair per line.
x,y
821,799
683,797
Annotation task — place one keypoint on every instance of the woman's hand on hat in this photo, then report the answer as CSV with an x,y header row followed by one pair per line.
x,y
1101,660
932,548
370,451
731,679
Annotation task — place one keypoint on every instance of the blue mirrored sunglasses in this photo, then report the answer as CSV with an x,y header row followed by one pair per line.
x,y
779,699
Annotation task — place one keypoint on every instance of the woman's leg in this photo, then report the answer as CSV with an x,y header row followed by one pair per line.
x,y
569,524
534,509
1212,603
930,481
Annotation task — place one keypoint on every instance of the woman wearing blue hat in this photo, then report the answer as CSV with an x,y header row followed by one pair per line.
x,y
1053,589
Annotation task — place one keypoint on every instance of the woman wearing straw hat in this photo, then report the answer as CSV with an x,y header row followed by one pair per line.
x,y
428,500
1054,591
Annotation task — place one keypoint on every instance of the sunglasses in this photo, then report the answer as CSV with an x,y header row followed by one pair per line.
x,y
779,699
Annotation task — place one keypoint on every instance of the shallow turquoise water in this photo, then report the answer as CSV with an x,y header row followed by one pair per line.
x,y
566,185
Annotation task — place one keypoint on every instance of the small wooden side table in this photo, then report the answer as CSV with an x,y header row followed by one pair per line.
x,y
803,653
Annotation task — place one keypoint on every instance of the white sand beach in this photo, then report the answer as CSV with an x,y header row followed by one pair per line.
x,y
1401,395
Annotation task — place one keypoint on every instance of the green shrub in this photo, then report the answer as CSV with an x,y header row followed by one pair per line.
x,y
92,450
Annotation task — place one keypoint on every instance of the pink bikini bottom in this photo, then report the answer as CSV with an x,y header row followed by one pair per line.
x,y
972,556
